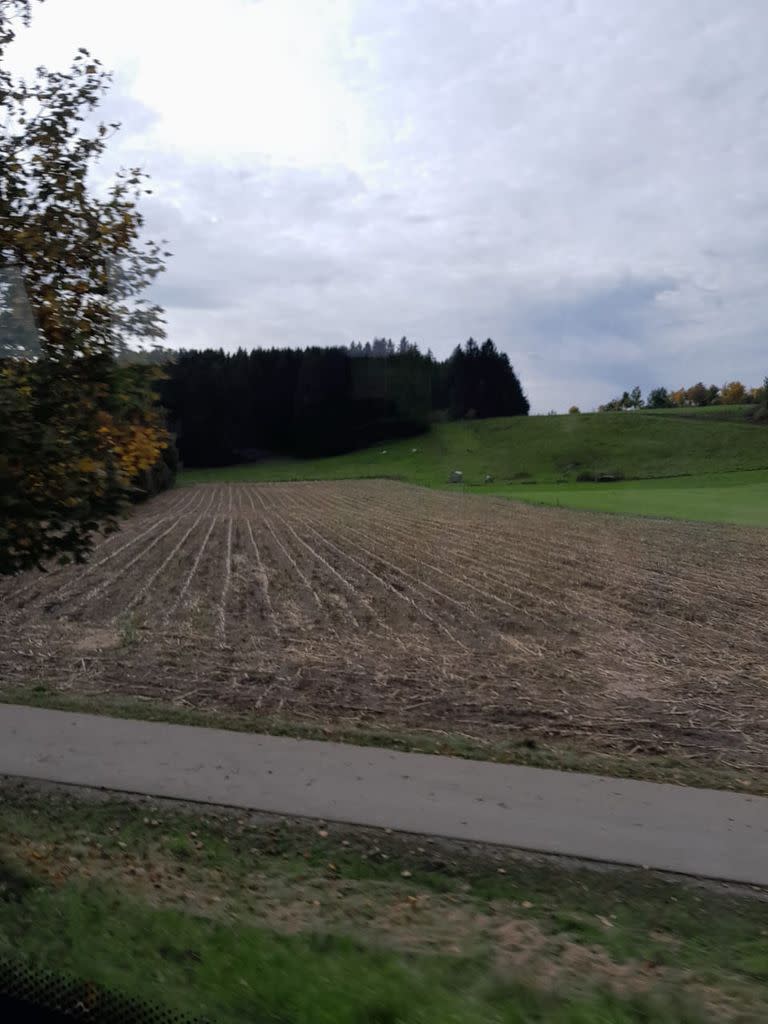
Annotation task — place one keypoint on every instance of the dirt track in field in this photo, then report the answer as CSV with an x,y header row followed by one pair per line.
x,y
369,602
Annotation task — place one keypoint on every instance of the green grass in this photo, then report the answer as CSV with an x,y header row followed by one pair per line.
x,y
245,974
210,913
717,412
740,498
538,458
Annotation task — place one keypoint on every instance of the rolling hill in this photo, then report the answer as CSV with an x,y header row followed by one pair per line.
x,y
678,466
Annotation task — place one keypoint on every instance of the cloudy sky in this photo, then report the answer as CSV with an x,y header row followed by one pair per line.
x,y
585,181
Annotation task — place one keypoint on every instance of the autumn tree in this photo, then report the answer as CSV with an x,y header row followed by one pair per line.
x,y
73,272
696,394
733,393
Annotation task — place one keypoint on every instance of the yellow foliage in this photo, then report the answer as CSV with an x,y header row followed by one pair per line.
x,y
140,449
733,393
136,447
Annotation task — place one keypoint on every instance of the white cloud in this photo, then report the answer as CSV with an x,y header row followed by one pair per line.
x,y
583,181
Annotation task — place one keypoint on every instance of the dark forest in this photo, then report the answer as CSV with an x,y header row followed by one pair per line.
x,y
230,407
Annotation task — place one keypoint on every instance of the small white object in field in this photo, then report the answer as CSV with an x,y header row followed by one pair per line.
x,y
488,478
414,450
457,477
383,451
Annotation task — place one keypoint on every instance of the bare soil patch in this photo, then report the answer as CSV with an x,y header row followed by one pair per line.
x,y
381,604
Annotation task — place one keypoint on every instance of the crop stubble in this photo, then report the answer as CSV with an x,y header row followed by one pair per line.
x,y
370,602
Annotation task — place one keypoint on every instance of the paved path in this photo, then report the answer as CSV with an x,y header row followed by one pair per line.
x,y
692,831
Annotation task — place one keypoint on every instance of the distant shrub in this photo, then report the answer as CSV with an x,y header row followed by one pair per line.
x,y
574,410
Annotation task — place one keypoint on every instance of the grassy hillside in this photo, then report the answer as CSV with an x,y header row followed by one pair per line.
x,y
544,449
538,458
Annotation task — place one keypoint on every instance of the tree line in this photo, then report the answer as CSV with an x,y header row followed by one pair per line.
x,y
697,395
227,407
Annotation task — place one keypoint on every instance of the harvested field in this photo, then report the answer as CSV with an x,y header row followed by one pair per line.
x,y
370,602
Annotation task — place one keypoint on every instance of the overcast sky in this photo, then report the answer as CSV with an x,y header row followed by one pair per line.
x,y
585,181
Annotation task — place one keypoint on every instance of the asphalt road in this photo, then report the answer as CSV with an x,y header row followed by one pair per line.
x,y
699,832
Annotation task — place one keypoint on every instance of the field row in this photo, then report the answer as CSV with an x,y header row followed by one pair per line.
x,y
386,602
